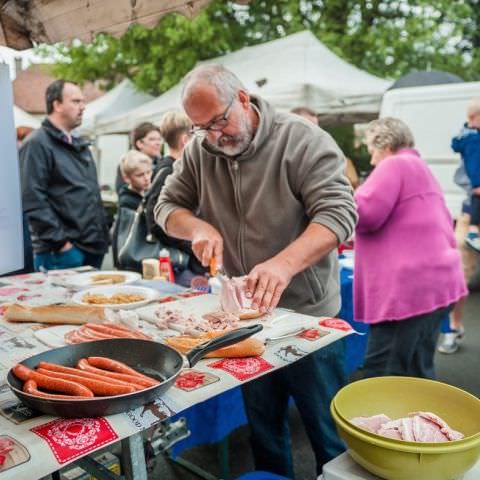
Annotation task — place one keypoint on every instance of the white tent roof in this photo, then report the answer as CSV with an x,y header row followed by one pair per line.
x,y
149,112
24,119
297,70
122,98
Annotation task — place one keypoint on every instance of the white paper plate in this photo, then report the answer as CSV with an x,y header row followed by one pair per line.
x,y
84,280
149,295
54,336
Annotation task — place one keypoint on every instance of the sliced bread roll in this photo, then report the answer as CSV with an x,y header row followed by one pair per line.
x,y
251,347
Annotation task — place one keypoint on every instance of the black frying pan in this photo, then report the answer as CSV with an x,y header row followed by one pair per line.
x,y
151,358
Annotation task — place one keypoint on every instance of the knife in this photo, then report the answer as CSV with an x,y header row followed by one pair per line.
x,y
216,269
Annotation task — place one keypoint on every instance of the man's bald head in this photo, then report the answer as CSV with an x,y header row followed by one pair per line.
x,y
219,108
211,76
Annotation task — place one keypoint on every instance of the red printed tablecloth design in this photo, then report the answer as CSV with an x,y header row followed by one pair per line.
x,y
242,368
193,379
73,438
335,323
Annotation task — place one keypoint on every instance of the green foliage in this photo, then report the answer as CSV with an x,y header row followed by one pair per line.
x,y
385,37
154,59
344,135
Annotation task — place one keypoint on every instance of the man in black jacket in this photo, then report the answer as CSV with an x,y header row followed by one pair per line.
x,y
61,195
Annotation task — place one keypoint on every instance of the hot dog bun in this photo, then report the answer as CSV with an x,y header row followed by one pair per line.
x,y
251,347
63,314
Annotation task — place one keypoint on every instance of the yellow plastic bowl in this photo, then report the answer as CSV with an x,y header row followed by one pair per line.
x,y
397,397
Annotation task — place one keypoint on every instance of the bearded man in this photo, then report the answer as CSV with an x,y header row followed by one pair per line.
x,y
264,193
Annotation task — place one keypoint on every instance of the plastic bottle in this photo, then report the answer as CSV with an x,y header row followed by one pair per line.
x,y
166,269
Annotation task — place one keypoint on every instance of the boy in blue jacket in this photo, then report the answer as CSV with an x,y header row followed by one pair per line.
x,y
467,143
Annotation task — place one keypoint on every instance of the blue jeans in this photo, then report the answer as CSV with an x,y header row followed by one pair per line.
x,y
312,381
75,257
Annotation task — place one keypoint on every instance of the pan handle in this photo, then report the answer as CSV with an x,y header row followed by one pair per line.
x,y
230,338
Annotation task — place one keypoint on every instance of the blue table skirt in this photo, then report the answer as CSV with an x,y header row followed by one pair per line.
x,y
211,421
356,344
214,419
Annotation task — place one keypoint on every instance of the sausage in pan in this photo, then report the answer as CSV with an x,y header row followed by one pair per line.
x,y
114,366
133,379
30,386
99,387
49,383
95,376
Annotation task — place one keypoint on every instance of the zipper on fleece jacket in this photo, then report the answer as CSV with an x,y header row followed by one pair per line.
x,y
235,168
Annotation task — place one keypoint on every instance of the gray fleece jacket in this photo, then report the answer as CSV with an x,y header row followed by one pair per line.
x,y
262,200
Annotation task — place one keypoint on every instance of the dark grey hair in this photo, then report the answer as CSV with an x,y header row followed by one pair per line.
x,y
55,93
389,133
225,82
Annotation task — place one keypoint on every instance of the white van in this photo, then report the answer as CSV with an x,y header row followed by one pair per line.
x,y
435,114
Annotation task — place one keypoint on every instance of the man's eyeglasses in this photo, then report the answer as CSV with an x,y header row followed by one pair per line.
x,y
216,125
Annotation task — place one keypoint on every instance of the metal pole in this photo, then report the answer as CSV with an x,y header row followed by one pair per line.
x,y
133,458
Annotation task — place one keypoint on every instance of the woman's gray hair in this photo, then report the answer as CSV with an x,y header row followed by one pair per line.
x,y
225,82
389,133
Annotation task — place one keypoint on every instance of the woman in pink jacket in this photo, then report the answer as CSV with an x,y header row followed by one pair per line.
x,y
407,268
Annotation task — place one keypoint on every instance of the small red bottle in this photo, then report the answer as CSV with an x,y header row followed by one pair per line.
x,y
166,269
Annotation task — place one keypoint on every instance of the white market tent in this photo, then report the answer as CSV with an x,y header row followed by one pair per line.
x,y
297,70
122,98
23,119
107,150
148,112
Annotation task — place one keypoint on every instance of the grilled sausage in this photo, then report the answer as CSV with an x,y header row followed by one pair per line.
x,y
94,376
114,366
142,380
50,383
99,387
30,387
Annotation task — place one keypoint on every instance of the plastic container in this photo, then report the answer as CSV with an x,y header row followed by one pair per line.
x,y
166,269
396,397
150,268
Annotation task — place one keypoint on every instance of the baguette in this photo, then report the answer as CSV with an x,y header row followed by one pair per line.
x,y
251,347
59,314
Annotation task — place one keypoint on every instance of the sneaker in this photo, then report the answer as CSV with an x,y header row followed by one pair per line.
x,y
448,343
472,240
460,333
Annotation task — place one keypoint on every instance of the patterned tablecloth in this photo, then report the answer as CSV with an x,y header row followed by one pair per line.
x,y
33,442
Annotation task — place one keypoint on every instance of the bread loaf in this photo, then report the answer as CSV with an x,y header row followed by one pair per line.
x,y
60,314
